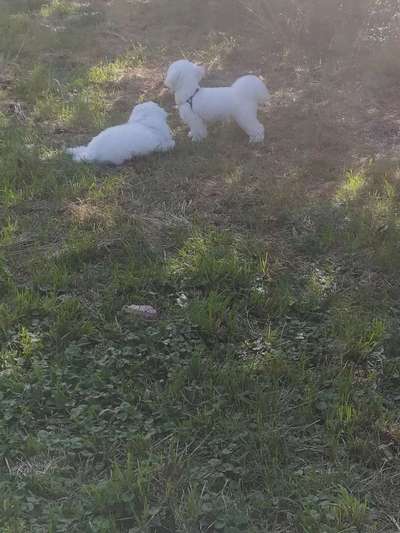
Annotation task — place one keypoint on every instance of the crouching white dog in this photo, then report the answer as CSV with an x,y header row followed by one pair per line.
x,y
146,131
198,105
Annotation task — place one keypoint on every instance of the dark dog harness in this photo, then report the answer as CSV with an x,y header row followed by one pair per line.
x,y
190,100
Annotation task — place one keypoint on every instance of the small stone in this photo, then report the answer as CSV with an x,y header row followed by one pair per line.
x,y
144,311
182,300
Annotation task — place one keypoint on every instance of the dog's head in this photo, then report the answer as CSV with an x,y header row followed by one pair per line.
x,y
148,112
183,73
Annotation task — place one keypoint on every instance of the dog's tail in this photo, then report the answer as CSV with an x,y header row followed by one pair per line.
x,y
79,153
251,88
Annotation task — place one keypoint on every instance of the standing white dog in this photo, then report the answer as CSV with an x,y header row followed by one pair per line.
x,y
146,131
197,105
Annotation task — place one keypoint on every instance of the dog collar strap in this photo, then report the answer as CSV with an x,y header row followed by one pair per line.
x,y
190,100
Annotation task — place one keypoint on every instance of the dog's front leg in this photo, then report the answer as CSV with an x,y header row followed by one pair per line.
x,y
198,128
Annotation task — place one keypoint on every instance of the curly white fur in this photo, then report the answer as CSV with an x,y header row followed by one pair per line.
x,y
146,131
197,106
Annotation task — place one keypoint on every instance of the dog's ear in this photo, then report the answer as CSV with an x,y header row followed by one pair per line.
x,y
173,80
201,71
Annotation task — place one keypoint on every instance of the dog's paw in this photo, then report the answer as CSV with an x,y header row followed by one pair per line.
x,y
256,139
197,138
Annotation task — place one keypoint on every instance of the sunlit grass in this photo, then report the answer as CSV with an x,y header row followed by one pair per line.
x,y
88,110
352,187
350,510
220,46
210,261
8,231
113,71
59,7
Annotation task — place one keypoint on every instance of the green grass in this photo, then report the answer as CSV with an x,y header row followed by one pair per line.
x,y
265,395
59,7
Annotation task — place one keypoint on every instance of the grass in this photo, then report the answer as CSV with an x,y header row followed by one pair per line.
x,y
265,395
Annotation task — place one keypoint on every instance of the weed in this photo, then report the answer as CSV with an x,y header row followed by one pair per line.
x,y
59,7
358,334
350,511
212,262
214,315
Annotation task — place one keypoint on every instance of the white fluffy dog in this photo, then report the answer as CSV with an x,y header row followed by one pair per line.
x,y
197,105
146,131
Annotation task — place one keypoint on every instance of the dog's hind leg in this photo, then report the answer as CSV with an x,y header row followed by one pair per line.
x,y
248,121
198,128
